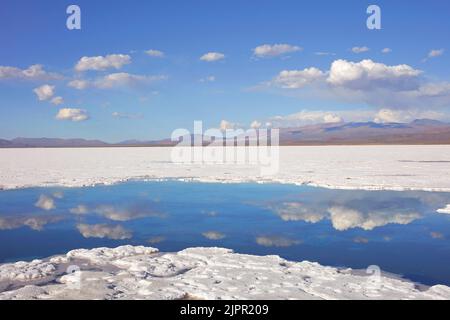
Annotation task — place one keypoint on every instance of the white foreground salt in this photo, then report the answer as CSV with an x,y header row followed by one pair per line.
x,y
129,272
347,167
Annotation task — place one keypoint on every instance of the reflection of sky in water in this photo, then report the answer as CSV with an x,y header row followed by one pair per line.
x,y
402,232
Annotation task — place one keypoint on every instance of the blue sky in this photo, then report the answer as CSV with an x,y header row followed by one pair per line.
x,y
152,96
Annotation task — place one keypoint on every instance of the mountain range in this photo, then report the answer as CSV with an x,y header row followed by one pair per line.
x,y
422,131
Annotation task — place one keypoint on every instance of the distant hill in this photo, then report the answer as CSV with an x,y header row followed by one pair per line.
x,y
416,132
421,131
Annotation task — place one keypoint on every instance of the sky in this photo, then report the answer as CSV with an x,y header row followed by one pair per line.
x,y
141,69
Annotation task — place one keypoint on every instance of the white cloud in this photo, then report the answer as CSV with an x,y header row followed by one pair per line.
x,y
155,53
121,115
274,50
365,81
125,79
34,72
104,231
276,241
226,125
255,124
45,203
44,92
306,117
295,79
368,74
360,49
435,53
78,84
97,63
407,115
57,101
212,56
213,235
386,50
72,114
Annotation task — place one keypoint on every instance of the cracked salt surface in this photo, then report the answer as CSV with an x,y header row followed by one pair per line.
x,y
137,272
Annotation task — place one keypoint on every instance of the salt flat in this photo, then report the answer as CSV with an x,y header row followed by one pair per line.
x,y
129,272
347,167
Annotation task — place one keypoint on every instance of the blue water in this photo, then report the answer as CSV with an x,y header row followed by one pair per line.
x,y
399,231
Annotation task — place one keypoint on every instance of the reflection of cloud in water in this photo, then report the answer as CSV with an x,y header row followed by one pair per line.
x,y
275,241
58,194
33,222
348,213
79,210
344,218
126,214
436,235
155,240
297,211
213,235
45,202
104,231
360,240
446,209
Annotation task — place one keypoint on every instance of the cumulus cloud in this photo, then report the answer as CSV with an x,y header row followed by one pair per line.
x,y
435,53
386,50
306,117
125,79
213,235
45,202
78,84
368,74
407,115
274,50
295,79
360,49
155,53
57,101
276,241
72,114
373,83
34,72
226,125
255,124
36,223
104,231
44,92
212,56
115,61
